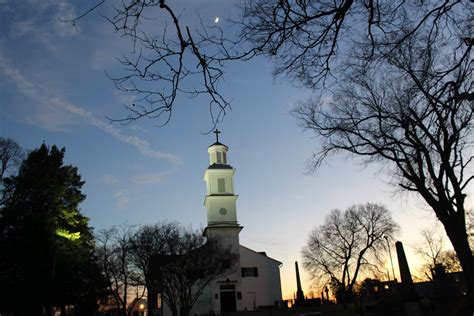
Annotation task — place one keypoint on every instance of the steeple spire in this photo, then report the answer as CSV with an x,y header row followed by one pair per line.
x,y
218,153
217,132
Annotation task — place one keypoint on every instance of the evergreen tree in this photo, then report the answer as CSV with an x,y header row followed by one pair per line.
x,y
46,244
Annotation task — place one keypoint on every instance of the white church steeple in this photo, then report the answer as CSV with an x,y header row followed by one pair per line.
x,y
254,279
220,199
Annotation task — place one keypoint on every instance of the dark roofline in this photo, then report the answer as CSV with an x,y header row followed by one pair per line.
x,y
217,143
219,166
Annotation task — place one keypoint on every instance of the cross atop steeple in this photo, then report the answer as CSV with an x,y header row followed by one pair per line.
x,y
217,132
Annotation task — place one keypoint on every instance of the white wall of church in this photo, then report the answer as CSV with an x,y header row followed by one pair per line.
x,y
265,289
210,300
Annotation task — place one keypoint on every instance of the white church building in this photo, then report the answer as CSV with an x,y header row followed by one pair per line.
x,y
255,281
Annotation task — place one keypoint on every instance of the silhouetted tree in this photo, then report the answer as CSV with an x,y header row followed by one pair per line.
x,y
163,258
11,156
414,119
179,263
308,41
46,245
346,244
403,96
114,252
172,59
149,241
431,249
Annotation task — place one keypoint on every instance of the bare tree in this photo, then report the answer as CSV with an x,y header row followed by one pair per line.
x,y
149,241
164,63
436,257
310,41
307,40
163,258
114,251
11,156
415,120
185,266
346,244
430,250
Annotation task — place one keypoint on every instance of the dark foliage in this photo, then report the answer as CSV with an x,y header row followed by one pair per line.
x,y
46,245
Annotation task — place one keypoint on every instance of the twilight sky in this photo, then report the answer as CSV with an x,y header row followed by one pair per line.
x,y
53,88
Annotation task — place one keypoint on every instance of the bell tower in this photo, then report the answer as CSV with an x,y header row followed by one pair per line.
x,y
220,199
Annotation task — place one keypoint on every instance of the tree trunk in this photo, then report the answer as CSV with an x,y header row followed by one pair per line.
x,y
151,297
456,231
184,311
124,300
174,310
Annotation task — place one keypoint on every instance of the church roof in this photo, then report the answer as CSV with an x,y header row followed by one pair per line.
x,y
217,143
262,254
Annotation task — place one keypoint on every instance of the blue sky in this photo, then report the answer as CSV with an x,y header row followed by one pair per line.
x,y
53,88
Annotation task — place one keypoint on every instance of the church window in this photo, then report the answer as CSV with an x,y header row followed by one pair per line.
x,y
249,272
224,158
222,211
221,185
219,157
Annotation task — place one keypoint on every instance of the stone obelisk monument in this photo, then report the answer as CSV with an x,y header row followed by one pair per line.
x,y
409,295
299,291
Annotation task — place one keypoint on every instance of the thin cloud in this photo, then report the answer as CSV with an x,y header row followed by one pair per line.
x,y
108,179
121,198
150,178
39,21
65,11
52,104
141,145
